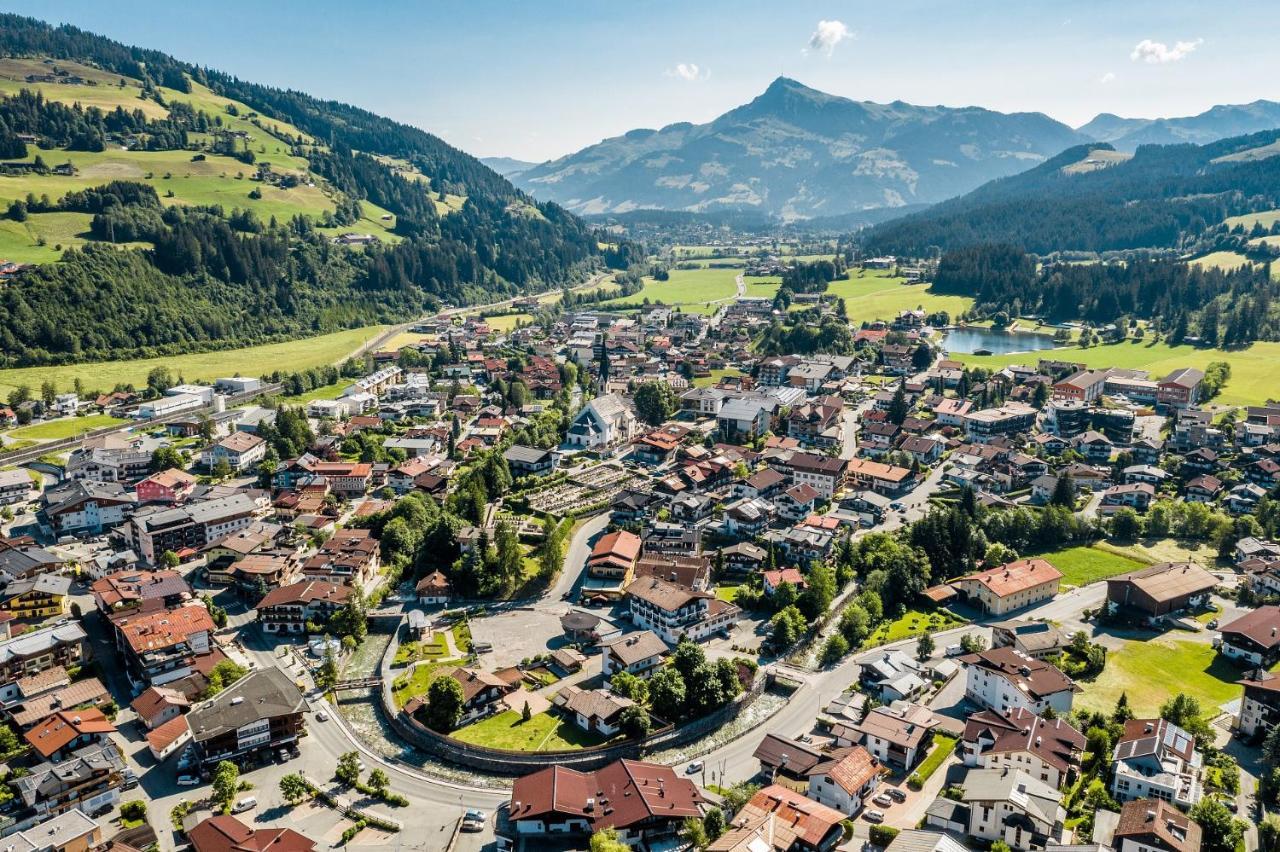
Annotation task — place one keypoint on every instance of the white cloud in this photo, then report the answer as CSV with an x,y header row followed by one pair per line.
x,y
1159,53
1107,77
688,71
828,35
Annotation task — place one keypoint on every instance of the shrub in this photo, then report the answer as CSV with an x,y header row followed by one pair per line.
x,y
883,835
135,810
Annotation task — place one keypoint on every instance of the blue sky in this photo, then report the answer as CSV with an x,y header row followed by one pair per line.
x,y
538,79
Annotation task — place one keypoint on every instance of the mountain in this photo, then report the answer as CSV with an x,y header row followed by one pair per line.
x,y
1219,122
1093,198
508,167
795,152
192,210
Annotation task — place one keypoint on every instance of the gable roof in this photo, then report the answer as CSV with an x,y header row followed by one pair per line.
x,y
63,726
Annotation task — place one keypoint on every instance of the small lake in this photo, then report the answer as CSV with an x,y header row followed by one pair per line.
x,y
963,341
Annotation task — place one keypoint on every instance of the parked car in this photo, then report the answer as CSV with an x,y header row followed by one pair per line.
x,y
896,794
883,800
693,768
188,780
248,803
322,716
873,816
954,650
474,820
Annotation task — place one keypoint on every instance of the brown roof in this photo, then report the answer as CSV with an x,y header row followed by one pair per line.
x,y
1015,577
1035,677
305,592
624,793
1158,821
1154,736
621,545
789,819
663,594
63,726
43,681
1053,741
157,698
594,703
791,756
904,726
475,681
164,628
851,771
684,570
1169,581
1261,626
89,691
228,834
163,736
635,647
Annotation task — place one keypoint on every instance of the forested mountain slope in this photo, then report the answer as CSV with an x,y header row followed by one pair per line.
x,y
216,204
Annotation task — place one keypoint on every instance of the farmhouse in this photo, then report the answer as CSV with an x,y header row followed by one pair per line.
x,y
1001,590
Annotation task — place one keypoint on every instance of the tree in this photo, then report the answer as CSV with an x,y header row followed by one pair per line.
x,y
327,675
379,781
787,626
898,408
1122,713
855,625
635,722
294,788
222,675
226,783
221,468
1126,525
629,686
169,559
972,643
834,650
444,704
819,592
134,811
695,832
166,458
925,646
159,380
655,402
667,694
1064,492
1221,831
348,769
606,840
525,713
352,619
714,823
1184,711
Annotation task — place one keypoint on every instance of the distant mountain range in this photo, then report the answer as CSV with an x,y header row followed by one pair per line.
x,y
797,153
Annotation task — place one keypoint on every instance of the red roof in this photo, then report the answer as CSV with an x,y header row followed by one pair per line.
x,y
228,834
60,728
165,735
622,545
625,793
1019,576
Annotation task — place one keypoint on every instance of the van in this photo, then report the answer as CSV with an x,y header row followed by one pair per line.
x,y
954,650
248,803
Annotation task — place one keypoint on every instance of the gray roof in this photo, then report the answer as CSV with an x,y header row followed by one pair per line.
x,y
919,840
263,694
49,779
1003,785
41,641
522,454
68,494
58,831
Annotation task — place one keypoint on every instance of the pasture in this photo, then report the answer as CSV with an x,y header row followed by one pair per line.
x,y
876,294
693,289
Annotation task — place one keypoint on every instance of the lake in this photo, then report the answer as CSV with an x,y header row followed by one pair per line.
x,y
970,340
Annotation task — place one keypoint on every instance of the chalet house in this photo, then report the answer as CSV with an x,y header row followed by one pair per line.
x,y
240,450
1048,750
646,804
434,589
85,507
779,818
288,609
845,780
261,712
1003,680
1155,759
797,502
878,477
1151,825
635,653
1137,496
1004,589
673,611
824,474
66,731
1260,708
1037,639
158,704
62,644
593,710
89,779
898,735
349,556
894,676
1254,638
163,646
612,562
1264,472
1011,806
36,598
225,833
147,590
481,692
1203,489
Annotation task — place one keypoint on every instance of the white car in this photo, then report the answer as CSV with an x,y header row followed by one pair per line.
x,y
883,800
188,780
693,768
873,816
322,716
248,803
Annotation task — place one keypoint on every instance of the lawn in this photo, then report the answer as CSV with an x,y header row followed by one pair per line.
x,y
332,391
716,376
1252,379
506,322
876,294
943,747
1164,550
692,289
290,356
409,652
762,287
911,624
727,593
1081,566
1266,218
415,684
543,732
65,427
1224,260
1151,671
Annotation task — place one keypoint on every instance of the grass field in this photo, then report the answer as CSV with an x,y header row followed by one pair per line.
x,y
250,361
1266,219
716,375
943,747
1163,550
1224,260
506,322
1252,369
1142,669
543,732
876,294
913,623
762,287
1083,565
692,289
332,391
66,427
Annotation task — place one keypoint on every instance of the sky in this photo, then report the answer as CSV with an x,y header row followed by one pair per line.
x,y
537,80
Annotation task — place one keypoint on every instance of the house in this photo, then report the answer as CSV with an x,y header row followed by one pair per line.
x,y
349,556
797,502
1049,750
89,779
774,579
1009,805
1254,638
225,833
1082,386
1203,489
676,612
779,819
742,419
158,704
36,598
1255,548
1002,680
71,831
15,486
162,646
147,590
951,412
1155,759
823,474
288,609
1260,707
612,563
63,644
893,676
85,507
1180,389
1094,446
635,653
1150,825
41,694
528,461
877,476
604,422
898,735
260,712
433,589
593,710
845,780
989,423
1137,496
240,450
1037,639
1160,589
1010,587
646,804
191,526
65,731
167,486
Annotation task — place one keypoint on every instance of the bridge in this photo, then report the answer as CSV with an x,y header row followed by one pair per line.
x,y
357,683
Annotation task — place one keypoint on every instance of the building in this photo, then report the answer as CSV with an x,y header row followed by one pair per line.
x,y
1049,750
593,710
63,644
1155,759
145,590
65,731
1254,638
85,507
158,705
898,735
824,474
673,611
15,486
167,486
36,598
434,589
256,715
70,831
1149,825
742,419
1037,639
1011,806
163,645
1180,389
613,561
240,450
225,833
89,779
1160,589
288,609
1260,707
528,461
645,803
779,819
349,557
606,421
189,527
894,676
845,780
1020,584
481,692
1004,680
635,653
1008,419
1082,386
